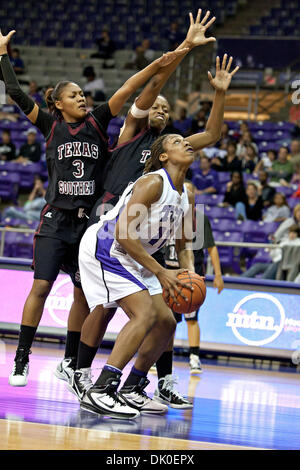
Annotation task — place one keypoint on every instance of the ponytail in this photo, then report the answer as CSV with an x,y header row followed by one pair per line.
x,y
52,95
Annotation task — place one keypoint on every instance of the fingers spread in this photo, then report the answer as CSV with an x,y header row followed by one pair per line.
x,y
205,18
224,61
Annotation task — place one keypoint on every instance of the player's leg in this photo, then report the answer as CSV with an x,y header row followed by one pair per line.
x,y
48,254
194,342
166,391
102,397
92,333
77,315
151,348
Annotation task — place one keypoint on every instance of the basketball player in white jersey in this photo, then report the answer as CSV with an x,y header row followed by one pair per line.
x,y
116,267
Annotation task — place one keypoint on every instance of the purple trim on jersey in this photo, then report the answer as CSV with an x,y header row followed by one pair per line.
x,y
51,133
109,263
171,182
142,132
92,120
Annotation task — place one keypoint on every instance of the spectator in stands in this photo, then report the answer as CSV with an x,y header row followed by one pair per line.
x,y
294,149
206,180
279,210
33,92
31,151
251,208
106,46
283,229
7,148
94,85
230,162
17,62
245,140
249,159
33,206
142,56
170,129
235,190
183,124
281,169
269,270
199,122
266,192
295,180
266,161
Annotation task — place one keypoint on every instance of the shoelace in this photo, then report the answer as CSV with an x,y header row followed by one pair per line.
x,y
86,378
169,386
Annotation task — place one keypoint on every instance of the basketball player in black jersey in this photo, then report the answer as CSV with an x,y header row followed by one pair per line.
x,y
76,153
89,336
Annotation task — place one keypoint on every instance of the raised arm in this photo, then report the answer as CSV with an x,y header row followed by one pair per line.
x,y
213,127
13,89
117,101
195,37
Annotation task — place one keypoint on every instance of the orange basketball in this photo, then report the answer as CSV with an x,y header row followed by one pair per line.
x,y
195,297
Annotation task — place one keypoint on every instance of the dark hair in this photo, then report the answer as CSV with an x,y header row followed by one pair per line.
x,y
283,197
295,228
54,94
157,148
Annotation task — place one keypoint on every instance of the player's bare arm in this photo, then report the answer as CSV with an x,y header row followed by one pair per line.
x,y
117,101
195,37
220,83
146,192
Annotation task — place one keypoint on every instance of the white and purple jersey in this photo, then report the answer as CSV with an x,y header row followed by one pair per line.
x,y
108,272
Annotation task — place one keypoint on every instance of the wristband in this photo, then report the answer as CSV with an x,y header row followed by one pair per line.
x,y
139,113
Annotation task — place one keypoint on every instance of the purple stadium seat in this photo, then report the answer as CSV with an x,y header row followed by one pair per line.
x,y
292,202
22,246
221,212
230,255
9,185
285,190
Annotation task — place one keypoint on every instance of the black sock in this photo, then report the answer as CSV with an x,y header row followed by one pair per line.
x,y
194,350
134,377
108,372
164,364
72,343
86,355
26,336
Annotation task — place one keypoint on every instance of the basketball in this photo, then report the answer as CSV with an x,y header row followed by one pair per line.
x,y
195,297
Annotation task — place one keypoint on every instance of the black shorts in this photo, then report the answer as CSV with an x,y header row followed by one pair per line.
x,y
193,316
56,244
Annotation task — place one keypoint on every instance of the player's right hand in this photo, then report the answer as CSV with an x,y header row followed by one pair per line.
x,y
170,282
4,40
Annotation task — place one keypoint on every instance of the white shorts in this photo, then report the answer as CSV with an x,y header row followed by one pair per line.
x,y
107,275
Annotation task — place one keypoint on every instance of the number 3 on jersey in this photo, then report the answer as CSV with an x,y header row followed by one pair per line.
x,y
80,168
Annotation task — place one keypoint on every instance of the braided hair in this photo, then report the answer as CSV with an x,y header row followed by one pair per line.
x,y
157,148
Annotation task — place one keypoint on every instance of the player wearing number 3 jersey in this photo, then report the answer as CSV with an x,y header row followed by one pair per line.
x,y
76,153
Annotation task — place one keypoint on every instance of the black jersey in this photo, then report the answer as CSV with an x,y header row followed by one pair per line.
x,y
127,161
171,259
76,154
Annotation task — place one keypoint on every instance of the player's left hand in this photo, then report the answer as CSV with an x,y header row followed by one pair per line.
x,y
218,283
223,76
196,33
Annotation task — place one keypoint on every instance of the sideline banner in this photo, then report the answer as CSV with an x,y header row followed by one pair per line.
x,y
242,318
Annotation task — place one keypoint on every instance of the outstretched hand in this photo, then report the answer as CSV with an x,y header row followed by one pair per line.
x,y
223,76
4,40
196,33
169,57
